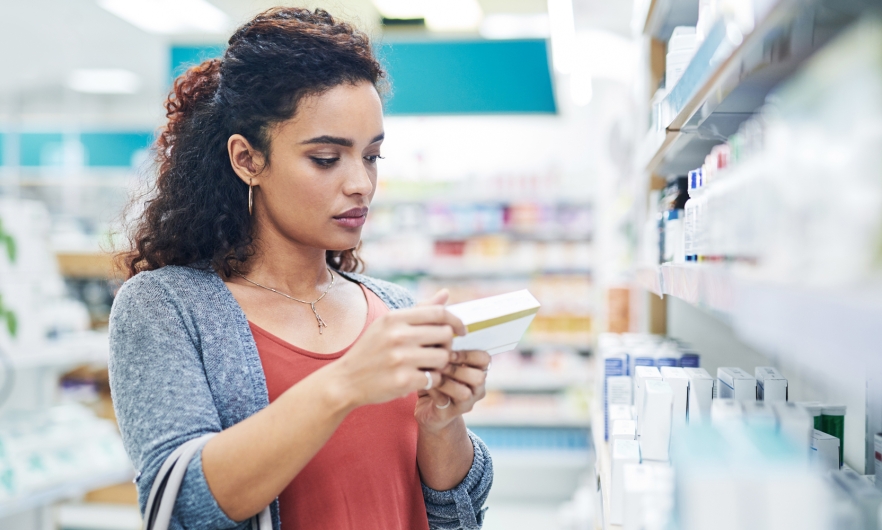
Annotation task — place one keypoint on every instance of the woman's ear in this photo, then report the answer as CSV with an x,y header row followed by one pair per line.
x,y
247,161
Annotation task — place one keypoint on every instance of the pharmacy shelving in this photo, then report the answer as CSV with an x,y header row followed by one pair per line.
x,y
517,419
603,472
789,319
68,490
84,348
730,76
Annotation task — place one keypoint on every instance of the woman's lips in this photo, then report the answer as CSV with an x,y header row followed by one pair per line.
x,y
352,218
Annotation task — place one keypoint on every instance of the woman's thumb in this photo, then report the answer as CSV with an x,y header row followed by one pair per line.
x,y
439,298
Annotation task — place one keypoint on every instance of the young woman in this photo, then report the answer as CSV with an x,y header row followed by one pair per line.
x,y
335,401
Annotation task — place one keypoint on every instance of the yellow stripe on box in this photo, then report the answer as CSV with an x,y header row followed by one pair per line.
x,y
484,324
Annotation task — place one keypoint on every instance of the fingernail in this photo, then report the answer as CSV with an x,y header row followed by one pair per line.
x,y
454,356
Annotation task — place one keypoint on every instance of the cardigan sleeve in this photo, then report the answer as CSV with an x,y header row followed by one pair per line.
x,y
461,508
161,395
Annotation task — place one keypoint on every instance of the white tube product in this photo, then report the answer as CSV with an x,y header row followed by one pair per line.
x,y
637,484
642,374
825,451
735,383
622,430
655,440
679,381
623,452
770,384
726,410
759,414
795,423
701,394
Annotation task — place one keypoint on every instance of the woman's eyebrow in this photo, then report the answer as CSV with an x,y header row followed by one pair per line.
x,y
336,140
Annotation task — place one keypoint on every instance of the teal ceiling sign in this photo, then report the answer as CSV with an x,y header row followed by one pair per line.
x,y
114,149
183,57
94,149
447,77
469,77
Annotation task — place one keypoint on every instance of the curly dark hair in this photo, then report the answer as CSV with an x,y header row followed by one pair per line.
x,y
196,214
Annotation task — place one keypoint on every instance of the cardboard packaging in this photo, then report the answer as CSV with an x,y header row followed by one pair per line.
x,y
641,375
655,440
735,383
679,381
701,394
825,451
770,384
495,324
623,452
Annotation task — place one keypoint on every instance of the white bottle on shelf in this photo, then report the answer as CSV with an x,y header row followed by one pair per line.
x,y
689,213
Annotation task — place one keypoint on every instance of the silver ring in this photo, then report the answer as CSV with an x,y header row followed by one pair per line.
x,y
449,401
430,382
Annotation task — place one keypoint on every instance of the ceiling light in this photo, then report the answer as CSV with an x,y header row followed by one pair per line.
x,y
170,16
453,15
514,26
563,34
104,81
440,15
401,9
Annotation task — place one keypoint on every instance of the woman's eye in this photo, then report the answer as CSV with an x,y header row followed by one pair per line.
x,y
373,158
324,162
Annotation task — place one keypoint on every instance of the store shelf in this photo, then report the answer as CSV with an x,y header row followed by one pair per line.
x,y
731,74
665,15
603,469
468,274
87,348
86,265
502,419
809,325
68,490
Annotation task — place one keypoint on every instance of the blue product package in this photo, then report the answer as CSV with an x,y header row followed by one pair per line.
x,y
690,360
640,358
614,364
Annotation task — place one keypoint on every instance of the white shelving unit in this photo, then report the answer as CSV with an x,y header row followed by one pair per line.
x,y
68,490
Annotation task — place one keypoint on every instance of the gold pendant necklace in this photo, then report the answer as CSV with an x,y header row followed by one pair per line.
x,y
318,318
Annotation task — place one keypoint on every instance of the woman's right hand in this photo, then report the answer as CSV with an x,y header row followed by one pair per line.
x,y
390,360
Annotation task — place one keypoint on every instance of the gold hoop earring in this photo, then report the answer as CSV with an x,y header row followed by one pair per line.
x,y
250,197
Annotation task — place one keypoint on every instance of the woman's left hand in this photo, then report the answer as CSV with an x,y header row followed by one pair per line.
x,y
462,386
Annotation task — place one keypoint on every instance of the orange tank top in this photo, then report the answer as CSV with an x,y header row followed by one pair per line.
x,y
366,475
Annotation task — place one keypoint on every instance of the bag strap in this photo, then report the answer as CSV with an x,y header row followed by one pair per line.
x,y
167,484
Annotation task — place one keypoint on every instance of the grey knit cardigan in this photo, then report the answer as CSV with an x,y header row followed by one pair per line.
x,y
183,363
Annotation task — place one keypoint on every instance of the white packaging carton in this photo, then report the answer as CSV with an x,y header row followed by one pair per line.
x,y
795,422
622,430
735,383
726,410
825,451
641,375
770,384
701,394
655,440
679,381
759,414
623,452
495,324
637,484
615,364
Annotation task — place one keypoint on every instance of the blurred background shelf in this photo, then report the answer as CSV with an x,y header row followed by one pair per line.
x,y
68,490
84,348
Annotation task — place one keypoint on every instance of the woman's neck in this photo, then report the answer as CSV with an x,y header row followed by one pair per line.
x,y
294,269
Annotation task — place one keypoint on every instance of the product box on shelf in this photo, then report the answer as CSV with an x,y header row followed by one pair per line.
x,y
642,374
679,382
623,452
655,435
825,451
770,384
735,383
701,394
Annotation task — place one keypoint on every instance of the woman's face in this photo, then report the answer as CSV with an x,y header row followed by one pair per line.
x,y
322,170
